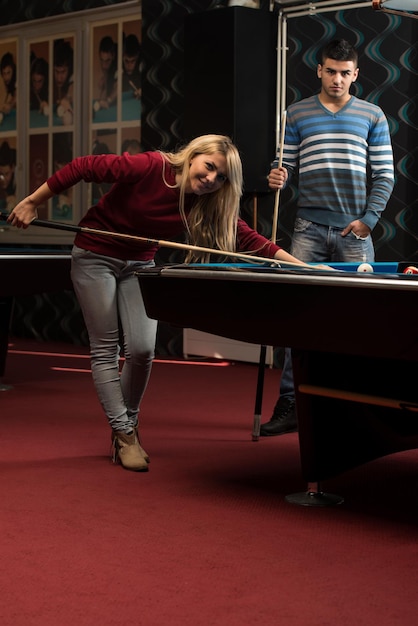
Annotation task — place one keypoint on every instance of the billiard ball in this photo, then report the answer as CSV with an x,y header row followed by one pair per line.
x,y
365,267
411,270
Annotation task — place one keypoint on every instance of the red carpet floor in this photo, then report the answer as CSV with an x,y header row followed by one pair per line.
x,y
205,538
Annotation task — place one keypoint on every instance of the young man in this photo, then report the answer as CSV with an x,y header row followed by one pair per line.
x,y
331,139
7,176
131,62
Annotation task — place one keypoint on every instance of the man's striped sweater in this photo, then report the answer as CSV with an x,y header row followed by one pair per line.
x,y
333,154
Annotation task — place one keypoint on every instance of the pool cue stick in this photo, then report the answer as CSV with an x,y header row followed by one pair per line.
x,y
353,396
277,196
263,348
134,87
159,242
255,212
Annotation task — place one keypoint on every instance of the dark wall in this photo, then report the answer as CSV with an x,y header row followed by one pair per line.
x,y
163,71
388,62
13,12
230,84
388,76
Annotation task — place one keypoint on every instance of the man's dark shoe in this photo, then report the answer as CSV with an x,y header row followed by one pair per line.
x,y
283,419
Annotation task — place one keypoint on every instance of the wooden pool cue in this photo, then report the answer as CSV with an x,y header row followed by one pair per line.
x,y
136,90
160,242
277,196
263,348
354,396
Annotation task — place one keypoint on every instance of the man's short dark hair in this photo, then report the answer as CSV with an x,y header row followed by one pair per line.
x,y
339,50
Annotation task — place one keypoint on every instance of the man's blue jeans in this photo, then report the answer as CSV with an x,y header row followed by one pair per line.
x,y
315,243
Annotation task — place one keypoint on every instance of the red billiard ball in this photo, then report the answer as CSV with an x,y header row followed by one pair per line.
x,y
411,269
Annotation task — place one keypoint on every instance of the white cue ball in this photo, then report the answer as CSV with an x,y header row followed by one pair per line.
x,y
365,267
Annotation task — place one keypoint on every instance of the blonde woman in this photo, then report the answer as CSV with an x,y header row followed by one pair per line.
x,y
160,195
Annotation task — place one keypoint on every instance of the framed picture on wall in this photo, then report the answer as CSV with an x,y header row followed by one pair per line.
x,y
8,88
63,81
131,85
104,84
115,91
104,142
51,111
7,174
68,87
131,140
39,96
39,166
8,124
62,153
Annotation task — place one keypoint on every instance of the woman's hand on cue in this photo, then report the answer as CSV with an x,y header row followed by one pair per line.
x,y
23,214
322,267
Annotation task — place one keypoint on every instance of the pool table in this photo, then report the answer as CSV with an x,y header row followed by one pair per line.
x,y
354,340
28,270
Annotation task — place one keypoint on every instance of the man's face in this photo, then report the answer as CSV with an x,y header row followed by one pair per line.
x,y
129,63
60,74
6,175
337,78
106,59
7,74
38,81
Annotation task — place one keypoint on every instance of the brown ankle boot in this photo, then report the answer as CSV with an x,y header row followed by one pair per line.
x,y
128,452
144,454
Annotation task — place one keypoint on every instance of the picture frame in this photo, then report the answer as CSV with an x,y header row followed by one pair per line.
x,y
50,125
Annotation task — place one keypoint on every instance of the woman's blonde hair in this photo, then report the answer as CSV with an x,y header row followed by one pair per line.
x,y
212,220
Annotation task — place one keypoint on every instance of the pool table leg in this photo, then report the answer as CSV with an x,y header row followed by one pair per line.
x,y
6,307
259,394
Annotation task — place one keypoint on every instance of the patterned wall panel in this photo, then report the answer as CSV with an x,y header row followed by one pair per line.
x,y
388,50
163,55
163,76
388,61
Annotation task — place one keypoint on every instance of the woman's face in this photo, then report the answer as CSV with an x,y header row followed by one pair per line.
x,y
207,173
